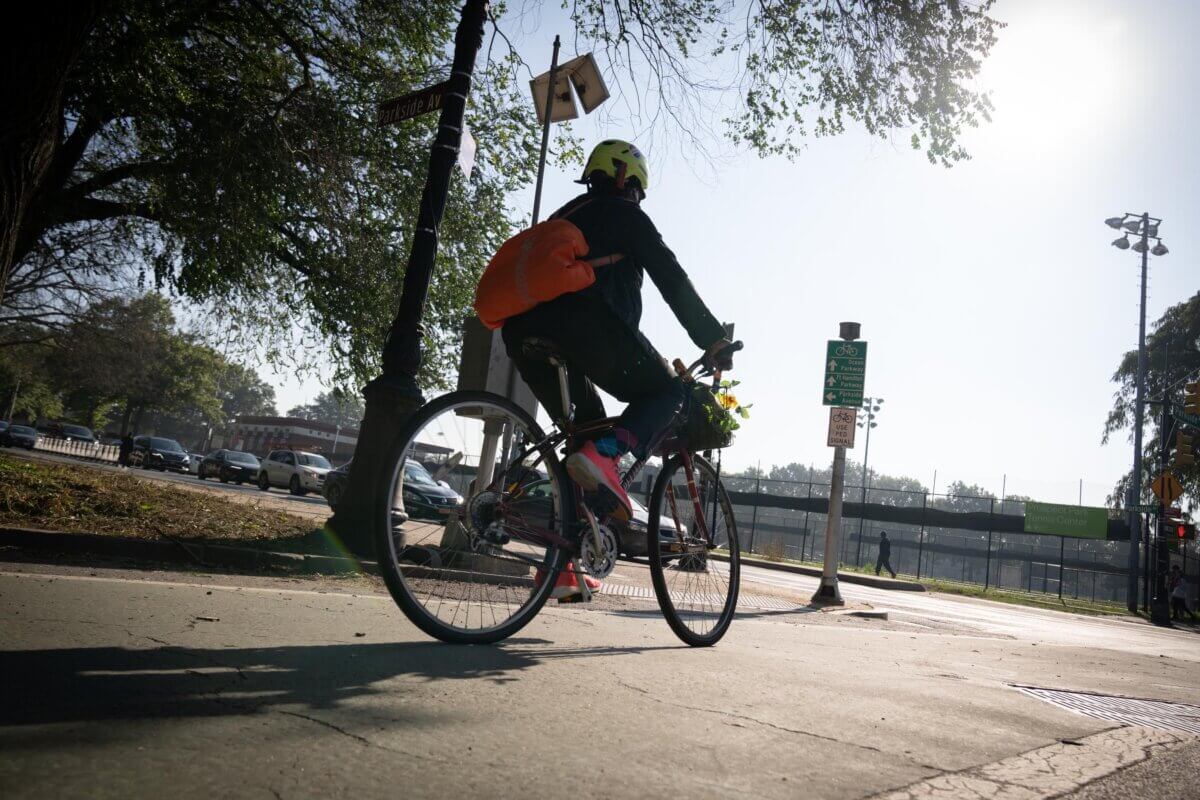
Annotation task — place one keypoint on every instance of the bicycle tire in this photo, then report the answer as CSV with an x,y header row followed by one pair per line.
x,y
389,565
668,604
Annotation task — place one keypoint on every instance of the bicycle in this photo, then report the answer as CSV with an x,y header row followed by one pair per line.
x,y
471,550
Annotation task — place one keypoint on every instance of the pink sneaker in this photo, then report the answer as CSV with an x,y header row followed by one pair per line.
x,y
597,473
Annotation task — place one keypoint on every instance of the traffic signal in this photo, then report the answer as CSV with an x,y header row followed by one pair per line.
x,y
1185,531
1191,398
1184,456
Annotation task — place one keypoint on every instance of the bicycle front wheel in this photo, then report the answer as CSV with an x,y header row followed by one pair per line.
x,y
692,543
477,508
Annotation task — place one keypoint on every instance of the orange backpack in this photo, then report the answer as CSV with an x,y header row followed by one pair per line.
x,y
535,266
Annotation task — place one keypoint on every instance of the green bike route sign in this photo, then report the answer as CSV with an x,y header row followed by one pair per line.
x,y
1084,522
845,373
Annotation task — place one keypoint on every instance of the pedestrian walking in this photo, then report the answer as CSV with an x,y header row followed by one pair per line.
x,y
1178,586
885,554
125,449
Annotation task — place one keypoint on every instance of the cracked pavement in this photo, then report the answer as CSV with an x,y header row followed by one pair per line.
x,y
141,684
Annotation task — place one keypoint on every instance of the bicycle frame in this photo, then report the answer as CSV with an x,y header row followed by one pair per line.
x,y
567,432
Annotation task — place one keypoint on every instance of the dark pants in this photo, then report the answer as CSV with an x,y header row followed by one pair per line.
x,y
601,349
1179,608
884,561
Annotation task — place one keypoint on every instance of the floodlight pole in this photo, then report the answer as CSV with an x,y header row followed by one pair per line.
x,y
537,191
1135,482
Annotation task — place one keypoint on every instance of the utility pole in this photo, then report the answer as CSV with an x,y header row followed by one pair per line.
x,y
828,592
395,394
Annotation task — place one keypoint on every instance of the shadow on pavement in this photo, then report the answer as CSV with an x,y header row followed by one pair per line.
x,y
115,683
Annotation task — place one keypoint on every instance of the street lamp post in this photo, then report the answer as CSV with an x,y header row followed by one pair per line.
x,y
870,407
1146,227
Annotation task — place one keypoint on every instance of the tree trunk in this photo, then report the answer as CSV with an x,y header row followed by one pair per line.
x,y
125,417
39,45
392,397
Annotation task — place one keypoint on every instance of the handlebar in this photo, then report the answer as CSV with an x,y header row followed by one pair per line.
x,y
708,369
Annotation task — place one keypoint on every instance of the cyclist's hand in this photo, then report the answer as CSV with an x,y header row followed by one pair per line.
x,y
720,355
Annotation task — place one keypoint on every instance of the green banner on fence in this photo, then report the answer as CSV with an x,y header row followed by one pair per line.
x,y
1082,521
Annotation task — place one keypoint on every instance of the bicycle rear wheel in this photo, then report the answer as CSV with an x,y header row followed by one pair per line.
x,y
696,592
476,558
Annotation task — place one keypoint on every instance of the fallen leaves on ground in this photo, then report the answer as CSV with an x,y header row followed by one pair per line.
x,y
79,499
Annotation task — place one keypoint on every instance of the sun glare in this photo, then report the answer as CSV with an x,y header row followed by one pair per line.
x,y
1052,76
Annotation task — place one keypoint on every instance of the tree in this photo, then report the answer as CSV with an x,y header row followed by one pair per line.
x,y
1172,359
126,353
231,148
238,392
24,386
335,407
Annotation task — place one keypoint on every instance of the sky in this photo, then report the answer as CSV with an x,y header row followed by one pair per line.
x,y
994,306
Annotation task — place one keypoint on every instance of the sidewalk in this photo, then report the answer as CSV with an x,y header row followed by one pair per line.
x,y
895,584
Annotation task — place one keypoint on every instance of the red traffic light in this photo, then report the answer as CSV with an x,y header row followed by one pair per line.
x,y
1185,531
1181,531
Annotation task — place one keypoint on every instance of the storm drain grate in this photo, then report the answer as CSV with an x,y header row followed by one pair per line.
x,y
1158,714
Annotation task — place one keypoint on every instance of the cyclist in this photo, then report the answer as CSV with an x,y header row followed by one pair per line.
x,y
597,327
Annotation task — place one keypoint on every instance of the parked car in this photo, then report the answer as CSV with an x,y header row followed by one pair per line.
x,y
72,433
298,471
19,436
424,497
156,452
335,485
631,535
3,426
229,465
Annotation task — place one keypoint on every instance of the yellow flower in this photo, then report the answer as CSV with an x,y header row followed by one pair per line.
x,y
728,400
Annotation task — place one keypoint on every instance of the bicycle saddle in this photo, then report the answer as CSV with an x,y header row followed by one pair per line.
x,y
542,348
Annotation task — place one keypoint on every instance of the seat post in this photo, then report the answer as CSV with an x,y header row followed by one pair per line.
x,y
568,406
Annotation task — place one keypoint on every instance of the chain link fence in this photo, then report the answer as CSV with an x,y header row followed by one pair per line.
x,y
1076,568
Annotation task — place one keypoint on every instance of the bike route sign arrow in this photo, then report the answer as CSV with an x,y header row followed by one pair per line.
x,y
845,373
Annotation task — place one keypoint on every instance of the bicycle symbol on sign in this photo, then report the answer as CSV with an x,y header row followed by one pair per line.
x,y
846,350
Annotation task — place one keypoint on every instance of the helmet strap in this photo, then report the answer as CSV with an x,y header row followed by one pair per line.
x,y
622,168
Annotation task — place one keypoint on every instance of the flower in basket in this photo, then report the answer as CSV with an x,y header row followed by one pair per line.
x,y
728,410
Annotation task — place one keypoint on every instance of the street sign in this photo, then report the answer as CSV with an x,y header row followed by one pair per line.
x,y
1062,520
1146,509
1167,488
413,104
845,373
841,427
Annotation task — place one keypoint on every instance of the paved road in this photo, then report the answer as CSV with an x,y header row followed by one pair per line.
x,y
148,684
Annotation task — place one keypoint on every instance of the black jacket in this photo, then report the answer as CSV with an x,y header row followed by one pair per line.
x,y
612,224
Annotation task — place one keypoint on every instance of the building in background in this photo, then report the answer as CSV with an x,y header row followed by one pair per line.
x,y
260,435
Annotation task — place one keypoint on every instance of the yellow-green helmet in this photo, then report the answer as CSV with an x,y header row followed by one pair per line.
x,y
608,156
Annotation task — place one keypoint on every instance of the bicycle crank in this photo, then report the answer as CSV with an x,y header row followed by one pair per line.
x,y
597,548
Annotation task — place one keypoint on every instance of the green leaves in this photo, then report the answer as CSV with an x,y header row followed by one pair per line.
x,y
235,154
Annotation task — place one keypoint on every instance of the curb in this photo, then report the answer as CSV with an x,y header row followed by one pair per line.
x,y
847,577
191,553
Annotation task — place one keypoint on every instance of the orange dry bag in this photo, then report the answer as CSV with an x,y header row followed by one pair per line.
x,y
535,266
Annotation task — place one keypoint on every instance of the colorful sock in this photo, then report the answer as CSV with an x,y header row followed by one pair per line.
x,y
616,444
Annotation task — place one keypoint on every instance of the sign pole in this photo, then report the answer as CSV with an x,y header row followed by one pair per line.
x,y
828,592
537,192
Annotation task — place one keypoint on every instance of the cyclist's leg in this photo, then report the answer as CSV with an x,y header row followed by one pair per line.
x,y
621,361
540,375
